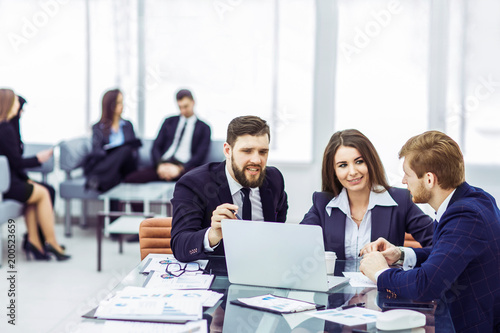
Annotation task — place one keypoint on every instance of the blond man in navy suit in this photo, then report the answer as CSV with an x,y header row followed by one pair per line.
x,y
462,268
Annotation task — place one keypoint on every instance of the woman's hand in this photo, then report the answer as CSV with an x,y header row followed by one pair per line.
x,y
44,155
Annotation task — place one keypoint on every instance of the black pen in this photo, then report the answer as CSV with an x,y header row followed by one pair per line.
x,y
237,216
353,306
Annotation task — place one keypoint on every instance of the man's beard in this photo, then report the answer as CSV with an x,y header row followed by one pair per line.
x,y
421,195
241,178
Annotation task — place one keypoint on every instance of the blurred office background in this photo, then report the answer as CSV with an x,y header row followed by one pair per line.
x,y
389,68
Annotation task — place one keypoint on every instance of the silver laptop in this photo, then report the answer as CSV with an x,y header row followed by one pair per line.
x,y
281,255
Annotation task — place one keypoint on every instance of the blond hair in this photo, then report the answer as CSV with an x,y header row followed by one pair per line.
x,y
435,152
7,99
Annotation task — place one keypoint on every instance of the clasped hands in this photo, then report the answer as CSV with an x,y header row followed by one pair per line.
x,y
378,255
168,171
224,211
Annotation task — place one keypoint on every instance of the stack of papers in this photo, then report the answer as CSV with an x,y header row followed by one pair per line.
x,y
350,317
163,298
276,304
162,280
148,309
208,298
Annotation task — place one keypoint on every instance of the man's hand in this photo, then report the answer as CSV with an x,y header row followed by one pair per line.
x,y
372,263
44,155
224,211
168,171
391,252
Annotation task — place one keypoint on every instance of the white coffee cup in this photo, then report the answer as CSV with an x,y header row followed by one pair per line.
x,y
330,258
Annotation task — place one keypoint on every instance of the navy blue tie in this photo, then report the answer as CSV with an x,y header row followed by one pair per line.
x,y
247,206
180,138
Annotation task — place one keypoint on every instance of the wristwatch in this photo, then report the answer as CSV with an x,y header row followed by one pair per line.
x,y
402,256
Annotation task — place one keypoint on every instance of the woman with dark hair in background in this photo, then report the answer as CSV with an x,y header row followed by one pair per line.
x,y
114,146
38,210
357,206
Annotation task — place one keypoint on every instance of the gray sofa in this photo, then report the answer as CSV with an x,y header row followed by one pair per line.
x,y
72,155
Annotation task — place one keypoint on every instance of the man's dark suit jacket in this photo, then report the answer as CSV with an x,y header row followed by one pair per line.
x,y
463,265
200,191
199,147
390,222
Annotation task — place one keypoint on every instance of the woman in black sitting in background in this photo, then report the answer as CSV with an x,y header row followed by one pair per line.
x,y
38,211
15,122
114,146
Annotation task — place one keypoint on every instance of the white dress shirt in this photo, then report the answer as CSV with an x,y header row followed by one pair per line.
x,y
357,237
183,153
234,188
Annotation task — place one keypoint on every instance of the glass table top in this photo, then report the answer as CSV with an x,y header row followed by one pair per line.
x,y
226,317
140,192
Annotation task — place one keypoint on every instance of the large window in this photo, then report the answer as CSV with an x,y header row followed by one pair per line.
x,y
474,83
42,58
239,58
382,73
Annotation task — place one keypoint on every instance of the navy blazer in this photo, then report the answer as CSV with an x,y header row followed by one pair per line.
x,y
199,146
200,191
389,222
99,139
463,265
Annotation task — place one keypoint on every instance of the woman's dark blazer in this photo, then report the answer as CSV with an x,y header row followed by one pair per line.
x,y
389,222
9,146
100,139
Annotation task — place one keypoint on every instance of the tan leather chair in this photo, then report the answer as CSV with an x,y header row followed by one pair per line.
x,y
411,242
154,236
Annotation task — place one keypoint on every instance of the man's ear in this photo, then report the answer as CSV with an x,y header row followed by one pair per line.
x,y
227,150
430,180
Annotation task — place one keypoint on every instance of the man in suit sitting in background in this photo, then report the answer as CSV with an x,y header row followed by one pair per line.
x,y
182,144
242,184
463,265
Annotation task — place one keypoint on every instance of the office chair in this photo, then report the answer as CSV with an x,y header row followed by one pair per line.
x,y
154,236
411,242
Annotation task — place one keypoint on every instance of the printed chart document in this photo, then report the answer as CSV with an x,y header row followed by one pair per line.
x,y
358,279
208,298
113,326
159,263
276,304
350,317
148,309
162,280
